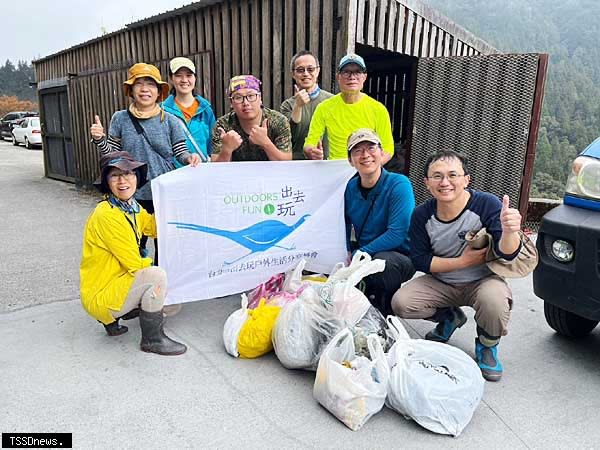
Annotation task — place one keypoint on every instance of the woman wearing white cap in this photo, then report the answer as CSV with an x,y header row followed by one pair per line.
x,y
194,111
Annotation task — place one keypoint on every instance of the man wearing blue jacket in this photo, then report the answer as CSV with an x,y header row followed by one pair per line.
x,y
378,207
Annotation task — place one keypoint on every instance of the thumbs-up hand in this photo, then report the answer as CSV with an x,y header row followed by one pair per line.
x,y
510,218
301,97
230,140
259,134
97,130
315,153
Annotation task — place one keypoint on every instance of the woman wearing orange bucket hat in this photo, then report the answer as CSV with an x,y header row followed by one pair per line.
x,y
144,130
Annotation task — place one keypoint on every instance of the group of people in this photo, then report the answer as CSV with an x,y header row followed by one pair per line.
x,y
162,130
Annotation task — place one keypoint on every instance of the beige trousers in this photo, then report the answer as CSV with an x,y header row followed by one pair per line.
x,y
147,291
490,297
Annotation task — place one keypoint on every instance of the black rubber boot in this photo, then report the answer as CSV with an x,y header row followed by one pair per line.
x,y
114,329
154,339
131,314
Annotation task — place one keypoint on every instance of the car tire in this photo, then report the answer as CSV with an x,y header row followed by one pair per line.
x,y
567,323
14,141
28,145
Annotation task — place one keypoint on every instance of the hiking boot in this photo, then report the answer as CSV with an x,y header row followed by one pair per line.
x,y
114,329
154,339
451,319
488,362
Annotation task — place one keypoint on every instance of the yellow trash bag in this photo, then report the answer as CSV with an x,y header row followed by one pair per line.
x,y
255,335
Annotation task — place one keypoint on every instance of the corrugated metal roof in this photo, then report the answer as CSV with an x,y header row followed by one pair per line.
x,y
173,13
140,23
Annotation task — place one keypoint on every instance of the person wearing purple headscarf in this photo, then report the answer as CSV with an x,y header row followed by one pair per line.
x,y
250,132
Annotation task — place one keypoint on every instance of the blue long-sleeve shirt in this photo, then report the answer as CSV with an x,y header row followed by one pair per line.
x,y
386,227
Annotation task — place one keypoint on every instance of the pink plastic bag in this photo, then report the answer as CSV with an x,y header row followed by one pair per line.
x,y
266,290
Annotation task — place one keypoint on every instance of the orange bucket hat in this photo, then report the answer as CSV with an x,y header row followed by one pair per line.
x,y
142,70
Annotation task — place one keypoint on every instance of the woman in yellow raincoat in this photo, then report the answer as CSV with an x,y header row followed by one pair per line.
x,y
115,279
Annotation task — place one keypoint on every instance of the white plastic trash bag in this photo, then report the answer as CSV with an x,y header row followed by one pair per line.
x,y
293,278
232,327
435,384
340,290
372,323
351,387
302,330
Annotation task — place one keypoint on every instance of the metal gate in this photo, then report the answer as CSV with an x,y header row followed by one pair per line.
x,y
488,108
59,158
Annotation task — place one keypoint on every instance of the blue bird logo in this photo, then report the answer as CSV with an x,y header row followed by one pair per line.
x,y
257,238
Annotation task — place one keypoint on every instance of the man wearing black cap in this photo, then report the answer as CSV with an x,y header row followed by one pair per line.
x,y
378,206
343,113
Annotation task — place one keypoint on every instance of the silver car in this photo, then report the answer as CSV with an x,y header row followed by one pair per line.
x,y
28,132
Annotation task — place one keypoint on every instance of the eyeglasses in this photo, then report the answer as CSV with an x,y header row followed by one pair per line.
x,y
125,174
240,98
438,177
370,149
349,73
309,69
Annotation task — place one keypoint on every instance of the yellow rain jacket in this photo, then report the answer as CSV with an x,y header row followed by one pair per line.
x,y
110,258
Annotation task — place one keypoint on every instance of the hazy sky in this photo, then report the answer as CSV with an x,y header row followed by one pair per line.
x,y
36,28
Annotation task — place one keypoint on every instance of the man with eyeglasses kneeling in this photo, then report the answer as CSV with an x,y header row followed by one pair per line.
x,y
340,115
300,108
378,207
250,132
455,274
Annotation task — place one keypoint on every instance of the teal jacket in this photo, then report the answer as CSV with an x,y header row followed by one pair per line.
x,y
199,127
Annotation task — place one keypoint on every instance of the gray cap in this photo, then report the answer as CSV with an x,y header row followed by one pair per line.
x,y
362,135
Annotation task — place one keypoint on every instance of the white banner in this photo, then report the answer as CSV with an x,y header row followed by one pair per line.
x,y
224,228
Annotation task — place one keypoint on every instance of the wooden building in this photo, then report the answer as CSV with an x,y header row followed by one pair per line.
x,y
443,86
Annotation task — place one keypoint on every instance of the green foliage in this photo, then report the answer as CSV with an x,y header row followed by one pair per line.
x,y
568,31
14,81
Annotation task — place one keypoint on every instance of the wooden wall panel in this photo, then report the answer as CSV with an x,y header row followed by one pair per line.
x,y
267,54
314,37
410,24
372,19
401,28
236,44
391,26
256,49
226,40
381,22
289,46
301,24
327,54
278,64
359,23
246,37
417,36
218,48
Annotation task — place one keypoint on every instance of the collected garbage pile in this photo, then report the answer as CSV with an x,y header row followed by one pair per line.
x,y
362,360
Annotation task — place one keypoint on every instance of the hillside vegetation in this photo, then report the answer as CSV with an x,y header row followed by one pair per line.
x,y
569,31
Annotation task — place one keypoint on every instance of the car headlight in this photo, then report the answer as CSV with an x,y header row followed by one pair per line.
x,y
584,180
563,251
